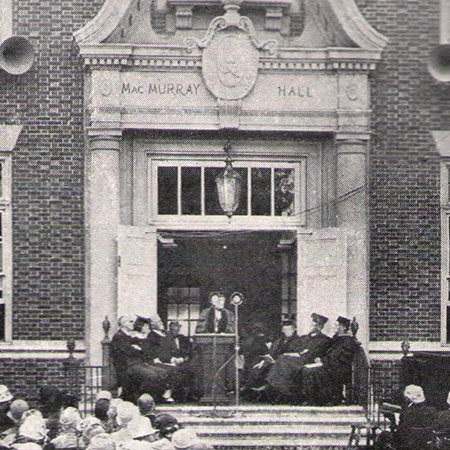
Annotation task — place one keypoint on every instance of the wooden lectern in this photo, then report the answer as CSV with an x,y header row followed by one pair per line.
x,y
215,350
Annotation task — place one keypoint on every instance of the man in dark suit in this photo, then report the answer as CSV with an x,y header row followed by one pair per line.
x,y
216,318
132,367
288,342
182,345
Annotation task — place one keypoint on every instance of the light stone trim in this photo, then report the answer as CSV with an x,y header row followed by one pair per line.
x,y
6,28
35,349
391,350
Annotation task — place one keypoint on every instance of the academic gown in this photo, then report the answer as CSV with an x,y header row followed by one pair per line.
x,y
284,374
324,384
256,376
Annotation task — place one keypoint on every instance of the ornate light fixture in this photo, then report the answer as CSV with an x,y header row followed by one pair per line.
x,y
228,183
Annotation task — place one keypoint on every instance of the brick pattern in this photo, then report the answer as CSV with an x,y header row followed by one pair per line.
x,y
48,245
385,377
404,173
25,377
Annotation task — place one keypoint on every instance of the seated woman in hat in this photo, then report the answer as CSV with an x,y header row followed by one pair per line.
x,y
324,379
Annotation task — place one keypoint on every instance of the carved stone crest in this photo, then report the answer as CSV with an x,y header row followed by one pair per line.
x,y
230,54
230,65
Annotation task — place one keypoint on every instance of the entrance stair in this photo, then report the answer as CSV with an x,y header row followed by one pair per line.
x,y
272,427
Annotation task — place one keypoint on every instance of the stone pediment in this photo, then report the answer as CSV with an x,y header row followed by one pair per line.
x,y
308,24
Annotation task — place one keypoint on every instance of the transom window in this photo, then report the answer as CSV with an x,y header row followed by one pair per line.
x,y
269,190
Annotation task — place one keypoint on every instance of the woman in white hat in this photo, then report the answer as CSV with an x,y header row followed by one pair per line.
x,y
5,401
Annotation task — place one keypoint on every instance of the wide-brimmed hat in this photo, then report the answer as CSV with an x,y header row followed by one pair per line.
x,y
33,428
184,438
103,395
126,412
5,395
69,418
140,427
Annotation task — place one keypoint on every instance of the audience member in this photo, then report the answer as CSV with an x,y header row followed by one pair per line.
x,y
68,429
5,401
146,405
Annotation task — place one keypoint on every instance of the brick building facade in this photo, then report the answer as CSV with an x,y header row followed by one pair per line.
x,y
48,302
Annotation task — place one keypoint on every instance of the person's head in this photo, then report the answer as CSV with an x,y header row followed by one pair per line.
x,y
50,399
5,397
70,399
141,429
217,300
166,424
146,404
17,409
69,419
101,409
33,428
414,394
175,327
156,323
288,328
126,323
103,395
184,439
142,325
89,427
112,411
101,441
342,325
318,322
126,412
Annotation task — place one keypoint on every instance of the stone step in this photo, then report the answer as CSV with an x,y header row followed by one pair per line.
x,y
274,430
268,420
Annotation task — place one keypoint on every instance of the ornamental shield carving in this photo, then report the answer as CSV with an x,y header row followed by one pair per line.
x,y
230,64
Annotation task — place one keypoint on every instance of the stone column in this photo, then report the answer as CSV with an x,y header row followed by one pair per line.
x,y
102,218
351,208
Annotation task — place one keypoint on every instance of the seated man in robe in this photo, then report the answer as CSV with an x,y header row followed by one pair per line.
x,y
161,347
289,342
216,318
324,379
132,366
283,375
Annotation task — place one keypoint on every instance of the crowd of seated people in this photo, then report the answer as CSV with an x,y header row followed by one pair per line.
x,y
56,423
421,426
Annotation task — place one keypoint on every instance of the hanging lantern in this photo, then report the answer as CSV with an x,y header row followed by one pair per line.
x,y
228,183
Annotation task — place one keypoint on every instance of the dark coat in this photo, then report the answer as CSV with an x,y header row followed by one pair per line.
x,y
324,384
415,425
206,321
283,375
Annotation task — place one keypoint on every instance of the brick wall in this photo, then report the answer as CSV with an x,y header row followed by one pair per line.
x,y
48,171
404,177
25,377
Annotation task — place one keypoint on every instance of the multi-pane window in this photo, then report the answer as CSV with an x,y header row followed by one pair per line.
x,y
270,190
183,305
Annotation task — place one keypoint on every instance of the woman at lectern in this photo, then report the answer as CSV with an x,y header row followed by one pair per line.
x,y
216,318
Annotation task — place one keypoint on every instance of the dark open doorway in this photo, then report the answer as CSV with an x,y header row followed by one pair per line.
x,y
252,263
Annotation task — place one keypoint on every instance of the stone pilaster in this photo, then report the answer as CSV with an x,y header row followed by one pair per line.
x,y
103,217
351,208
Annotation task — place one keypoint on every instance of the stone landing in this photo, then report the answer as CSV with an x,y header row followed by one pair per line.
x,y
271,427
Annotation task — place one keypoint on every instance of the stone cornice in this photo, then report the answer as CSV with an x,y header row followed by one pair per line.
x,y
176,58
